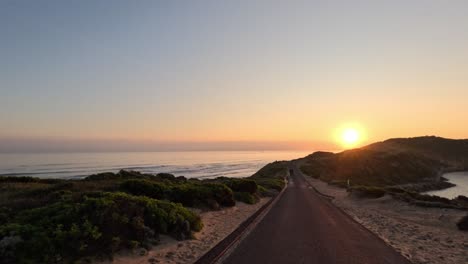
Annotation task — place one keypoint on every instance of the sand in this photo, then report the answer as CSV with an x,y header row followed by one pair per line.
x,y
423,235
217,225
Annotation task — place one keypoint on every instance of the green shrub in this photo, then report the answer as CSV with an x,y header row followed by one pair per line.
x,y
262,191
166,176
245,197
144,187
121,175
102,176
277,169
69,230
242,185
271,183
190,194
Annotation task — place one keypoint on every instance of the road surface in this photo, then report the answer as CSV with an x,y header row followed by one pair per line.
x,y
303,227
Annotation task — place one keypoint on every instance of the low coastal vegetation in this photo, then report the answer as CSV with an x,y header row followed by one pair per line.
x,y
460,202
73,221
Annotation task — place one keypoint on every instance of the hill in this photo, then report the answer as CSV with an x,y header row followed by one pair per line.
x,y
401,161
453,152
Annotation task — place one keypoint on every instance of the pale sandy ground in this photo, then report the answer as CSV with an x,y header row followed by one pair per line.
x,y
423,235
217,225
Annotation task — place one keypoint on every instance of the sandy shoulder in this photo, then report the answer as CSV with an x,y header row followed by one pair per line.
x,y
423,235
217,225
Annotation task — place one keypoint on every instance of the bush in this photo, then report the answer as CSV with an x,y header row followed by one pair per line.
x,y
270,183
190,194
69,230
144,187
463,223
367,191
102,176
245,197
166,176
264,192
242,185
462,198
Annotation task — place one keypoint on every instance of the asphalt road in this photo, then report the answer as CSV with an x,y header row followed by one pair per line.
x,y
303,227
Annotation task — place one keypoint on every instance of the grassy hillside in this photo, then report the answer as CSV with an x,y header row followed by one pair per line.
x,y
271,176
452,152
392,162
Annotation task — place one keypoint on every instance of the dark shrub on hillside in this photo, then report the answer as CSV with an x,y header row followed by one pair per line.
x,y
196,194
367,191
461,201
245,197
242,185
122,174
5,215
69,230
144,187
271,183
102,176
129,174
264,192
192,194
277,169
462,198
45,191
166,176
463,223
181,179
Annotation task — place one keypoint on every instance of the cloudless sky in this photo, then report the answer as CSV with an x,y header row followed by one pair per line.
x,y
231,71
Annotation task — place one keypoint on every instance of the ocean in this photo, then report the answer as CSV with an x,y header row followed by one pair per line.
x,y
192,164
461,188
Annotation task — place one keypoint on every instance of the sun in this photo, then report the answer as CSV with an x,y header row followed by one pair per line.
x,y
350,137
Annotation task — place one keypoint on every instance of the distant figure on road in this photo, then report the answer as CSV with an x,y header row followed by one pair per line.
x,y
291,172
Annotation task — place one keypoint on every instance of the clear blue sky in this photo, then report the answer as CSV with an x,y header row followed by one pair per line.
x,y
237,71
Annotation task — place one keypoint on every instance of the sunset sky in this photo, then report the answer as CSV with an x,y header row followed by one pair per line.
x,y
229,74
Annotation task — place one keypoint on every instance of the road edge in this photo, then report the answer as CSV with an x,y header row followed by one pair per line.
x,y
225,247
331,198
